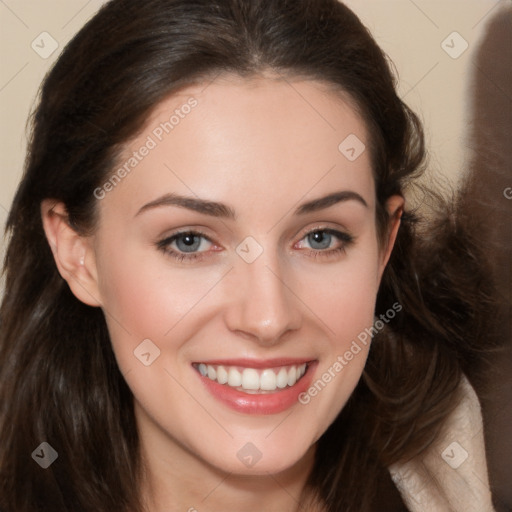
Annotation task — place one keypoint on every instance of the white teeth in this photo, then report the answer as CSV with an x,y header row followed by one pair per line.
x,y
234,378
202,369
252,380
222,375
282,378
212,372
268,380
292,376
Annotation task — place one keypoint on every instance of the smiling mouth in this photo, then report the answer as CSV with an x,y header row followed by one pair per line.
x,y
252,380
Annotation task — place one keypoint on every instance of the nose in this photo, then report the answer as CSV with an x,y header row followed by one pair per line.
x,y
263,306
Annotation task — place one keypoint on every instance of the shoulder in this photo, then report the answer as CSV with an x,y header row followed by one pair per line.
x,y
452,473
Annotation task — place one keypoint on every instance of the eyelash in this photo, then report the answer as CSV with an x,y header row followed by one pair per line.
x,y
345,239
163,245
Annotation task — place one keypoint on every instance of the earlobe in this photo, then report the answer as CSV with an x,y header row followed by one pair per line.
x,y
72,253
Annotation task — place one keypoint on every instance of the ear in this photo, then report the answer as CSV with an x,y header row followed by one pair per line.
x,y
73,253
394,208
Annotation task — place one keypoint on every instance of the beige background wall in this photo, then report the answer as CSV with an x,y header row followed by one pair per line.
x,y
433,82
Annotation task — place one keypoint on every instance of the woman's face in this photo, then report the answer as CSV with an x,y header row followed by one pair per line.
x,y
237,262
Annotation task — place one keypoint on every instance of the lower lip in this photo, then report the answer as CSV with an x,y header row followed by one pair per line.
x,y
265,403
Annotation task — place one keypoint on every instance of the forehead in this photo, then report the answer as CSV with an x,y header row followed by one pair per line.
x,y
262,137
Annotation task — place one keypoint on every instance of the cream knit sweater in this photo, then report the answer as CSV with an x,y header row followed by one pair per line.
x,y
452,475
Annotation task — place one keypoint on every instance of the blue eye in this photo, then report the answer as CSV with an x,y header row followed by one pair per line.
x,y
194,246
325,243
186,245
188,242
319,240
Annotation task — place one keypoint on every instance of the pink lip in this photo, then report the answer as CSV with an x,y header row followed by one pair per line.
x,y
269,403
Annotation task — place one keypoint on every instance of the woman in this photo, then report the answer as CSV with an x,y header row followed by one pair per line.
x,y
210,231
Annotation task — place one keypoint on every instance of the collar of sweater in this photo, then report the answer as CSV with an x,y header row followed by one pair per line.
x,y
451,476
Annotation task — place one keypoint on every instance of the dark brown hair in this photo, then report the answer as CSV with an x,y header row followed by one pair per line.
x,y
59,381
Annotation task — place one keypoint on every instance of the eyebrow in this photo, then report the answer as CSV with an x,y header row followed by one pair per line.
x,y
329,200
221,210
191,203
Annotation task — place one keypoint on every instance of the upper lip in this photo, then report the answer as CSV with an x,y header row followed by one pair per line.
x,y
258,363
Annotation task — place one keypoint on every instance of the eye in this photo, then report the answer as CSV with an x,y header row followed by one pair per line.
x,y
189,242
320,240
187,245
324,242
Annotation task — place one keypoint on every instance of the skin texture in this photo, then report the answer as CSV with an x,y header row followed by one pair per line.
x,y
262,147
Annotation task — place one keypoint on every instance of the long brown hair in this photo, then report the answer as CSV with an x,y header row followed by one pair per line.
x,y
59,381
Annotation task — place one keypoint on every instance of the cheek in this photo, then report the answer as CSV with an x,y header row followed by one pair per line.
x,y
344,294
153,311
346,306
144,297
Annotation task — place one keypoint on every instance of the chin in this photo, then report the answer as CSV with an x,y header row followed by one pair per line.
x,y
259,458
